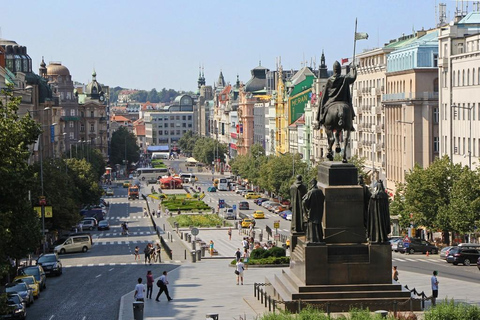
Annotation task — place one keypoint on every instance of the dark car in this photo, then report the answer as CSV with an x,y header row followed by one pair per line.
x,y
50,263
416,245
16,308
22,289
466,256
260,200
243,205
444,252
36,271
103,225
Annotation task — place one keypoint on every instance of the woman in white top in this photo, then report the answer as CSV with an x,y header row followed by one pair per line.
x,y
240,268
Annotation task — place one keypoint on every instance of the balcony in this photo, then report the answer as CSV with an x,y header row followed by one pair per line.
x,y
360,144
378,147
379,128
427,95
71,118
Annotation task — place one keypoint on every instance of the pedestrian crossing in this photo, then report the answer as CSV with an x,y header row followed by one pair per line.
x,y
122,242
126,218
435,260
114,234
115,264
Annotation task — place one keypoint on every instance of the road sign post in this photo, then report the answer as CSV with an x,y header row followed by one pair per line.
x,y
276,225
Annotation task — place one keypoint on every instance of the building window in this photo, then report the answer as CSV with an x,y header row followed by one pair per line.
x,y
91,114
435,145
189,125
177,118
184,131
184,125
82,128
92,127
172,118
172,132
435,60
71,124
435,115
184,118
62,113
473,76
72,112
178,132
72,136
189,118
172,125
160,132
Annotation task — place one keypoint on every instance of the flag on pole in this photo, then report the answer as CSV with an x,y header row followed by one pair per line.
x,y
345,60
361,35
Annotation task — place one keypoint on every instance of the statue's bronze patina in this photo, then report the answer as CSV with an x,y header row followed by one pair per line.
x,y
297,191
313,212
378,223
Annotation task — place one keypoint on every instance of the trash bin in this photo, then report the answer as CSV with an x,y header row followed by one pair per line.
x,y
194,258
260,237
189,238
138,310
199,255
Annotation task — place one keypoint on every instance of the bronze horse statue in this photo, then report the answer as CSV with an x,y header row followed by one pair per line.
x,y
335,110
338,119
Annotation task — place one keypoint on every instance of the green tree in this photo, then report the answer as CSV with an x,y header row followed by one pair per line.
x,y
123,145
187,142
17,218
206,150
153,96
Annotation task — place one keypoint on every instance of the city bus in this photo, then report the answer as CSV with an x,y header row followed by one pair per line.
x,y
222,184
151,173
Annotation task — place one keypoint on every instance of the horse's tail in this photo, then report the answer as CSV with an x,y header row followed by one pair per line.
x,y
340,117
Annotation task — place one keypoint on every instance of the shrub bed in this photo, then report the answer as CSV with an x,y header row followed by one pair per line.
x,y
180,202
196,220
158,164
272,256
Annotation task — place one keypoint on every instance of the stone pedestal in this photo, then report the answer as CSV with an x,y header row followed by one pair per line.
x,y
344,271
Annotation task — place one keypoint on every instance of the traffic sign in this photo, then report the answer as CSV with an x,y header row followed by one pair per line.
x,y
221,203
234,207
194,231
276,224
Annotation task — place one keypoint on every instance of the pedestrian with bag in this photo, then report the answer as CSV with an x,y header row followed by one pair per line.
x,y
150,281
240,267
434,282
139,294
162,283
146,251
246,258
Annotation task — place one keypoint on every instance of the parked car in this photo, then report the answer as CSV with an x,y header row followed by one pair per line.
x,y
243,205
103,225
88,224
109,192
126,184
212,189
444,252
265,204
416,245
259,201
394,243
78,242
22,289
284,214
31,283
228,213
280,208
272,207
258,214
16,308
465,256
36,271
239,189
288,216
478,263
51,264
95,221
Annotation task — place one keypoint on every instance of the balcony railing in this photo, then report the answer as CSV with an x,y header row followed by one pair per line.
x,y
410,96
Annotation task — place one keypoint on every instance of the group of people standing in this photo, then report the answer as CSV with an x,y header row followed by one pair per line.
x,y
162,283
152,253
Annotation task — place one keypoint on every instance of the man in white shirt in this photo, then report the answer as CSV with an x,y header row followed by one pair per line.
x,y
434,282
139,291
162,283
240,268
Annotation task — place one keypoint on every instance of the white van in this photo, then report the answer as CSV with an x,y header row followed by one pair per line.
x,y
228,213
75,243
188,177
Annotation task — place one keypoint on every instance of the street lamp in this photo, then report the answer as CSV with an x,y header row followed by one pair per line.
x,y
470,134
411,137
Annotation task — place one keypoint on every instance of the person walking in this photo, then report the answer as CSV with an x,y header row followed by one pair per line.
x,y
163,284
146,251
150,281
240,267
238,254
159,213
434,282
229,233
158,250
145,213
246,258
137,253
211,248
139,294
395,274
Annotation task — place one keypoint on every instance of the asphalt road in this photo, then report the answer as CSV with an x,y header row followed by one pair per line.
x,y
92,283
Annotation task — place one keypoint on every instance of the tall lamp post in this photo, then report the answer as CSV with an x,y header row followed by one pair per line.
x,y
470,134
411,138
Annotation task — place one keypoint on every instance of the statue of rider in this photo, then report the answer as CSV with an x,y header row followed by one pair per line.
x,y
337,89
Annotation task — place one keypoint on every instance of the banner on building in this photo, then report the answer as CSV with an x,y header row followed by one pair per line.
x,y
297,105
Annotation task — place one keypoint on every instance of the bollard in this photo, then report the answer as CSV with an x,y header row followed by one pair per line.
x,y
138,310
189,238
194,245
203,251
181,235
199,255
194,258
164,226
224,223
185,254
260,236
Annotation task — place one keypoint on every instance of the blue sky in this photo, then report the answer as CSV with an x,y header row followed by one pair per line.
x,y
156,44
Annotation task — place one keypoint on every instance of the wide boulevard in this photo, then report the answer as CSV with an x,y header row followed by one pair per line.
x,y
93,283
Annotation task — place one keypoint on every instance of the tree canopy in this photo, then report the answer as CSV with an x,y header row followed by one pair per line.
x,y
123,146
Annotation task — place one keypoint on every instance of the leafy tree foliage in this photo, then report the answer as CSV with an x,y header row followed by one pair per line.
x,y
17,218
206,150
123,144
187,142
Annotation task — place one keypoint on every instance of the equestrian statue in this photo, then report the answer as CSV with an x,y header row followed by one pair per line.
x,y
336,112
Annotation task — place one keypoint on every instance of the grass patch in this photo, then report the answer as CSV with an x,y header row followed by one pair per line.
x,y
272,256
196,220
158,164
180,202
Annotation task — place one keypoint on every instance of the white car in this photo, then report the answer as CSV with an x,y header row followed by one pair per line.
x,y
88,224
